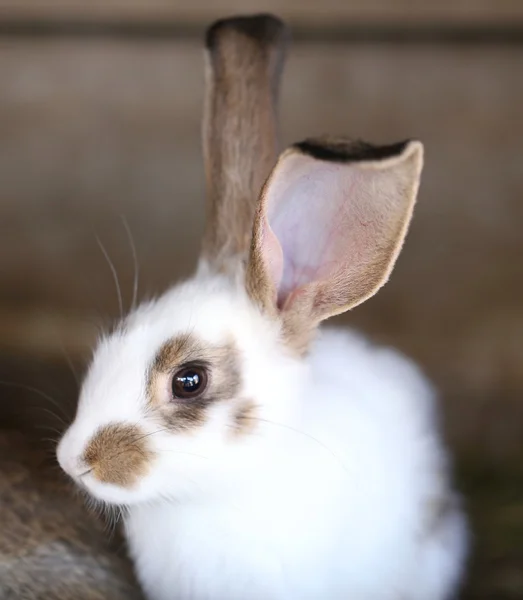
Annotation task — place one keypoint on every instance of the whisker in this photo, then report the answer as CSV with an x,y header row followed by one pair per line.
x,y
29,388
146,435
53,441
303,433
135,261
114,274
52,414
52,465
184,453
110,519
49,428
99,322
134,444
67,357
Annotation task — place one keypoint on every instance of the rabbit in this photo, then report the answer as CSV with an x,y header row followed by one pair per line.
x,y
258,455
50,549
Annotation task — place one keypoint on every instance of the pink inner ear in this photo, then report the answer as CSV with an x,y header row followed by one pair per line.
x,y
322,218
273,254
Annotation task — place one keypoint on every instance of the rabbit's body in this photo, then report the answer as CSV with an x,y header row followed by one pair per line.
x,y
255,461
347,496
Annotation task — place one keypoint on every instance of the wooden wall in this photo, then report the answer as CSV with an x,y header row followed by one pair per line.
x,y
100,108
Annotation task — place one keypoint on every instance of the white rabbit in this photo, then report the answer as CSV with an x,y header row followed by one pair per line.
x,y
255,459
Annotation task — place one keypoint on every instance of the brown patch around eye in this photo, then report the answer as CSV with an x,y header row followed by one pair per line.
x,y
244,418
179,350
222,364
118,454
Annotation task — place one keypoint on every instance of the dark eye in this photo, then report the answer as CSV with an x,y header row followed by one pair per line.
x,y
189,382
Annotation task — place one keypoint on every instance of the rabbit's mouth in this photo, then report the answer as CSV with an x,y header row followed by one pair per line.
x,y
114,495
110,464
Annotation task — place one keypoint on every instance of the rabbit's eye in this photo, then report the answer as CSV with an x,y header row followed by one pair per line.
x,y
189,382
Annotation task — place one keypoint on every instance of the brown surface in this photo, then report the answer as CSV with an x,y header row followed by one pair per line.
x,y
50,547
94,130
302,11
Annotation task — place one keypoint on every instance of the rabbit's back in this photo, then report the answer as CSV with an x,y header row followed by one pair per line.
x,y
378,413
378,379
375,411
50,548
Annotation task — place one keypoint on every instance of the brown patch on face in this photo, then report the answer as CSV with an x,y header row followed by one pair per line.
x,y
179,350
118,454
244,418
222,364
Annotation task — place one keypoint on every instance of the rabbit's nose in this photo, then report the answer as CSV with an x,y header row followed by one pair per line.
x,y
69,460
118,454
71,465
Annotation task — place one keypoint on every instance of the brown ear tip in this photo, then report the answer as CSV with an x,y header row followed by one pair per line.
x,y
264,28
342,150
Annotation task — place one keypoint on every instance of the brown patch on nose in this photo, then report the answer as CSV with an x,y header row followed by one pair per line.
x,y
118,454
222,365
244,418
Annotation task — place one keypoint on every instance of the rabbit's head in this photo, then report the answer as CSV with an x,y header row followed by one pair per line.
x,y
180,397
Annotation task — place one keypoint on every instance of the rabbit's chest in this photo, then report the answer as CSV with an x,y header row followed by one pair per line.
x,y
235,553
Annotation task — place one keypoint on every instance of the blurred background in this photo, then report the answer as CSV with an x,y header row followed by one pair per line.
x,y
100,107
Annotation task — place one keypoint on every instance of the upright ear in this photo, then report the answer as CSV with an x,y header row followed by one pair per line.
x,y
329,226
244,56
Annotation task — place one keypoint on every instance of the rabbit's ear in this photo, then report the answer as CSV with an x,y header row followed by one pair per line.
x,y
245,57
330,223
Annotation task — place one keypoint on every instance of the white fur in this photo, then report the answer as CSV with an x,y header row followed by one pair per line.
x,y
330,497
